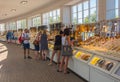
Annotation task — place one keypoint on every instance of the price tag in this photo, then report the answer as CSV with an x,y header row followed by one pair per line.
x,y
78,54
94,60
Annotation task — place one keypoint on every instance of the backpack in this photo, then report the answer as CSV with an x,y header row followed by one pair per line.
x,y
20,39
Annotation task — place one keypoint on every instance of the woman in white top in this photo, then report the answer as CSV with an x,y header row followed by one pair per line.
x,y
65,57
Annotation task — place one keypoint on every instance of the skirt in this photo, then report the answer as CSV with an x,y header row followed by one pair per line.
x,y
66,50
57,47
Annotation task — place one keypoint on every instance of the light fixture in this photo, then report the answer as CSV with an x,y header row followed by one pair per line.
x,y
24,2
13,10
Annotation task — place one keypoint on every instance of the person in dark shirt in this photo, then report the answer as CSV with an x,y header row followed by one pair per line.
x,y
57,48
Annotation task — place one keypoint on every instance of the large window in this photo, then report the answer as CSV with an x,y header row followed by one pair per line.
x,y
45,19
12,26
51,17
36,21
84,12
21,24
2,27
112,9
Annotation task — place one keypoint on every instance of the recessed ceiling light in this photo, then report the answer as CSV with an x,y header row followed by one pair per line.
x,y
13,10
24,2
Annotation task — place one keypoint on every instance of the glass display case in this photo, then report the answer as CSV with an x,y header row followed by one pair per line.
x,y
82,56
116,72
103,63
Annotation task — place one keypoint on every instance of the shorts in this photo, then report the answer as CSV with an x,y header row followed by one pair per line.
x,y
37,47
57,47
26,46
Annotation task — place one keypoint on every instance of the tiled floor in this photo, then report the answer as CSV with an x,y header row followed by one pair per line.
x,y
13,68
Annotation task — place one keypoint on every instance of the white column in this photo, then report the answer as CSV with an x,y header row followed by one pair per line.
x,y
101,10
66,15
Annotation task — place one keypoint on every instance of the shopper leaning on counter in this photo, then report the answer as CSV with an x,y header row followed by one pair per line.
x,y
57,48
66,51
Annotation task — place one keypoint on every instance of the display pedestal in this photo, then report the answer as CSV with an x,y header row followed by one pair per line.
x,y
81,68
99,76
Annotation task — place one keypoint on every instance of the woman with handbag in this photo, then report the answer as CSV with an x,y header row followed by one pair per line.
x,y
66,51
36,45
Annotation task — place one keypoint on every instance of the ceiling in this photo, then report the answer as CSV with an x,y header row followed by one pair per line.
x,y
13,8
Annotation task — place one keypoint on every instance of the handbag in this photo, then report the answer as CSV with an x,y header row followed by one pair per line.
x,y
67,50
35,42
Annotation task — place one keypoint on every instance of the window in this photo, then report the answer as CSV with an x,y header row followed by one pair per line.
x,y
12,26
84,12
36,21
2,27
112,9
51,17
45,19
21,24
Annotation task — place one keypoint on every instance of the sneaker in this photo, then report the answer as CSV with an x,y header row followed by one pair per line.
x,y
29,57
50,64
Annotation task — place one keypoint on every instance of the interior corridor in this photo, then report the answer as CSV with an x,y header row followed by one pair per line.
x,y
14,68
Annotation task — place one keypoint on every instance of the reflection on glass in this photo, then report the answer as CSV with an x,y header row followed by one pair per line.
x,y
92,3
74,9
80,7
85,5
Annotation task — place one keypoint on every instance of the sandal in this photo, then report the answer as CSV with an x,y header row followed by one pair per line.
x,y
59,70
67,72
50,64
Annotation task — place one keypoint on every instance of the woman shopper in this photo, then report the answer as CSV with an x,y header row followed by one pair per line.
x,y
66,51
37,45
57,48
44,45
